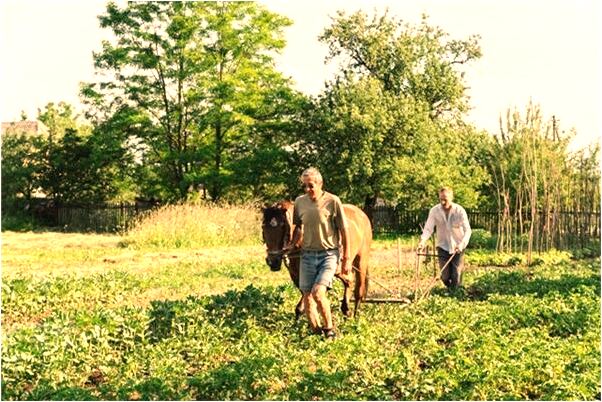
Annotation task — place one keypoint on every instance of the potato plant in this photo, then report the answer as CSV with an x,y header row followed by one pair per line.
x,y
196,330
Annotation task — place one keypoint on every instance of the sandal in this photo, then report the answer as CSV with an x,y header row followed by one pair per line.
x,y
329,333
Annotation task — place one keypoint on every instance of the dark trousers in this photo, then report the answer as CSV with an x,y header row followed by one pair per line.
x,y
452,274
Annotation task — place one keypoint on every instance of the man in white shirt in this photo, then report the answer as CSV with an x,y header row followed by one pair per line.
x,y
453,233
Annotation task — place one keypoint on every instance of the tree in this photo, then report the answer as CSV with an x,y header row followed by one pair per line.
x,y
22,163
412,61
118,157
59,118
392,119
263,167
202,73
450,156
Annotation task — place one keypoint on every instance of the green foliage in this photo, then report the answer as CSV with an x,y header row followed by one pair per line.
x,y
482,238
507,335
390,125
406,59
447,155
489,258
18,221
71,163
591,250
76,170
58,118
201,75
22,165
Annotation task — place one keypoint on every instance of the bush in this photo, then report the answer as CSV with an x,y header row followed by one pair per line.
x,y
18,222
481,238
196,225
591,250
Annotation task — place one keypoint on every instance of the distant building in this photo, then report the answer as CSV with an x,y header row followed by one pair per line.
x,y
28,127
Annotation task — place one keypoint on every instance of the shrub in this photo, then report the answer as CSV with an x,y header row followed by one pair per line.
x,y
591,250
196,225
18,222
481,238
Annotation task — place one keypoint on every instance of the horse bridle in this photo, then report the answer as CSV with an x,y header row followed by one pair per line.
x,y
286,255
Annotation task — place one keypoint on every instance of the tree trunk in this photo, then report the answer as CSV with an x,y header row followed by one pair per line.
x,y
216,188
369,204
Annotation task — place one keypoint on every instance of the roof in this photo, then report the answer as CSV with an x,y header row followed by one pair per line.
x,y
25,127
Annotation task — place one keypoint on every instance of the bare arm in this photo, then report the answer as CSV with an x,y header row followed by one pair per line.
x,y
297,231
341,225
296,239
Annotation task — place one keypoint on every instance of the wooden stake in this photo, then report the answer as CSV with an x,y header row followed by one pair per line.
x,y
399,262
416,274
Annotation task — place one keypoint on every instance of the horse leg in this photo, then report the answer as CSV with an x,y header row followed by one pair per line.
x,y
346,296
300,308
293,270
361,282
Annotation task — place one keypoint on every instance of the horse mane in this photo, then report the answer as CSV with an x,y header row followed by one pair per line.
x,y
285,205
276,210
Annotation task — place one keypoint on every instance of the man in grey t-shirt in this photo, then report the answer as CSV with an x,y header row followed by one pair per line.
x,y
453,234
319,216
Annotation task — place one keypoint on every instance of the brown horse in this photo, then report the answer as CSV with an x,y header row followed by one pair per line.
x,y
277,228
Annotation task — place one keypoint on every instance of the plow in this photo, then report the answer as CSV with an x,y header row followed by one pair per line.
x,y
420,278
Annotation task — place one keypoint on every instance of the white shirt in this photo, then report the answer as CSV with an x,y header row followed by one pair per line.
x,y
453,230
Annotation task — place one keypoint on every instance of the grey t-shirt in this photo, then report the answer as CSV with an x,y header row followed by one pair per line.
x,y
321,219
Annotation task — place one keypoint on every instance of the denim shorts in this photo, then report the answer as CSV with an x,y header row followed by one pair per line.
x,y
317,267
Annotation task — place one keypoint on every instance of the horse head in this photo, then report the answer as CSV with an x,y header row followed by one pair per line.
x,y
277,227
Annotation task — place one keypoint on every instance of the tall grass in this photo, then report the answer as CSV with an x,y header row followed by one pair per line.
x,y
194,225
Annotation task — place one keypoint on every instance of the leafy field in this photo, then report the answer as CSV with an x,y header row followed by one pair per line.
x,y
86,318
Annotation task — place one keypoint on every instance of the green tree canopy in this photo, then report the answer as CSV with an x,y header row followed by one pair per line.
x,y
202,73
391,123
22,164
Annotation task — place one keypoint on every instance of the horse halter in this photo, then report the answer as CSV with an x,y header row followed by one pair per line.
x,y
288,229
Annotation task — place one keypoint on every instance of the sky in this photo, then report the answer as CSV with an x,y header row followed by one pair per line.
x,y
548,52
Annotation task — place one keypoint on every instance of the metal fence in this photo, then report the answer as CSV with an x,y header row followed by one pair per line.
x,y
79,217
574,228
99,218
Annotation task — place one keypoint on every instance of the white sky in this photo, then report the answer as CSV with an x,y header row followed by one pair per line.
x,y
545,50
